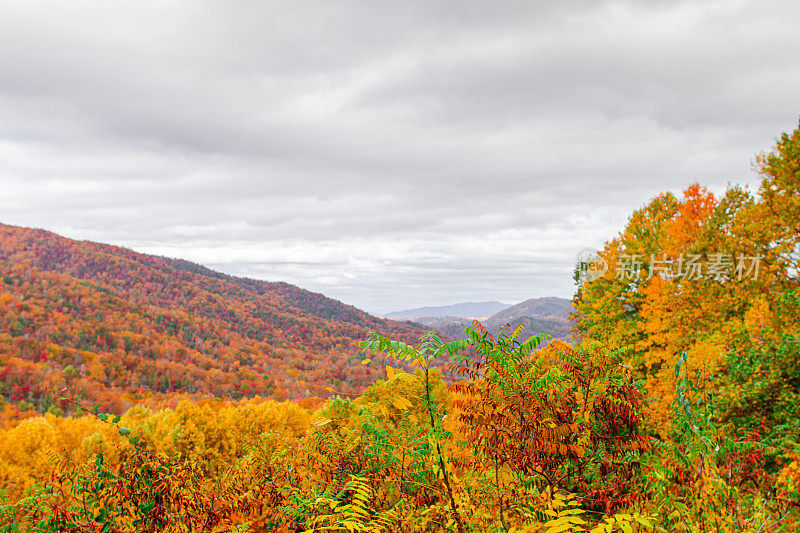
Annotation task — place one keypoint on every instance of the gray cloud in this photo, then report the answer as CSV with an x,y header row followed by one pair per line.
x,y
389,155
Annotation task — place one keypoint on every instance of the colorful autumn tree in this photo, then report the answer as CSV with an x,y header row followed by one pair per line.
x,y
556,418
685,274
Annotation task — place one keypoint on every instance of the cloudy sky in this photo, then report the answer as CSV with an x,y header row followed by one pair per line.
x,y
388,154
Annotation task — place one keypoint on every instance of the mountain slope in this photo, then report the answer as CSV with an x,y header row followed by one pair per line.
x,y
121,327
461,310
548,315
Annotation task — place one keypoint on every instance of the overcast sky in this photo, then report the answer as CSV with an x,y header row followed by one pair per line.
x,y
387,154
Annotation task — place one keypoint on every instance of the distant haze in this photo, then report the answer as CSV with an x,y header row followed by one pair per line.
x,y
462,310
391,155
539,316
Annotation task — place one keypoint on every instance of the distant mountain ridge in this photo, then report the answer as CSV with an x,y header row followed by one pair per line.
x,y
449,325
550,307
548,315
461,310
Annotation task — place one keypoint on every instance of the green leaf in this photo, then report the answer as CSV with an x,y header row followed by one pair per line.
x,y
124,432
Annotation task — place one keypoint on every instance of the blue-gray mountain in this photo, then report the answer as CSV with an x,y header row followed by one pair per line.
x,y
462,310
548,315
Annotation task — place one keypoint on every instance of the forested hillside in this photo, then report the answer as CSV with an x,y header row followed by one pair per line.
x,y
121,327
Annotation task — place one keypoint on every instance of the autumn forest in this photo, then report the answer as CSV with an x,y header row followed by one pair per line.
x,y
143,393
